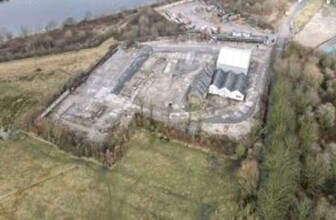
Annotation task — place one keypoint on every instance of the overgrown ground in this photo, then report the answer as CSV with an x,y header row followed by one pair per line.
x,y
24,83
322,26
154,180
134,25
263,13
307,13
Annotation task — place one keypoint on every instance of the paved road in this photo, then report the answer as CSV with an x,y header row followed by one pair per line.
x,y
286,29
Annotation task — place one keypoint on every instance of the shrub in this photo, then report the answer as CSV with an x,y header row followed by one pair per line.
x,y
248,178
282,116
329,92
24,31
324,210
241,151
329,73
8,35
305,209
315,172
51,26
312,97
295,69
312,75
309,129
328,61
147,25
68,34
69,21
40,43
282,165
301,102
326,115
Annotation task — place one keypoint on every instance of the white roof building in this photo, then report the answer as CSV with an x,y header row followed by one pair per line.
x,y
234,59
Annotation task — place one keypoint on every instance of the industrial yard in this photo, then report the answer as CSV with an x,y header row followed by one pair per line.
x,y
206,18
197,109
159,80
217,82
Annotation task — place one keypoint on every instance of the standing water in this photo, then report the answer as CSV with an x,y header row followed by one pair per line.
x,y
34,15
4,135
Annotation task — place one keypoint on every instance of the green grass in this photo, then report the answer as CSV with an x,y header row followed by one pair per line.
x,y
23,83
18,96
154,180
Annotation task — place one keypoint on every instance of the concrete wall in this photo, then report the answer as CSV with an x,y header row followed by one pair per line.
x,y
235,95
213,90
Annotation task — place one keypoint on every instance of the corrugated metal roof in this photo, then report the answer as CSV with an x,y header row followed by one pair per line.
x,y
241,84
230,80
201,83
234,57
219,78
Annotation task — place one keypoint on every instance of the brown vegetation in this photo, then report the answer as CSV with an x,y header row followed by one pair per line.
x,y
85,34
264,7
147,25
113,147
185,134
133,25
263,13
108,152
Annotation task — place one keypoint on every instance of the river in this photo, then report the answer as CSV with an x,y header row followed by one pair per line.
x,y
34,15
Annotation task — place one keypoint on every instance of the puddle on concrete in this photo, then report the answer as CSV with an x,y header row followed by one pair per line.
x,y
4,133
7,133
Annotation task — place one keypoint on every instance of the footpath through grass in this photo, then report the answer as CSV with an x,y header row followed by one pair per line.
x,y
154,180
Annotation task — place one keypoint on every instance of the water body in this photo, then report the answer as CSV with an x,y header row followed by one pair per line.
x,y
36,14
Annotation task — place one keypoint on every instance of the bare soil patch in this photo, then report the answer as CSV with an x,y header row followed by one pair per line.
x,y
320,28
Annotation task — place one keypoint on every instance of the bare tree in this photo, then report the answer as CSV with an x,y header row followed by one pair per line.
x,y
51,26
69,21
24,31
88,16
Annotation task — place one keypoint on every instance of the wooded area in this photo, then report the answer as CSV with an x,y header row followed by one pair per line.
x,y
299,164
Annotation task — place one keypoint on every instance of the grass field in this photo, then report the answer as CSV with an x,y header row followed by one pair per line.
x,y
154,180
307,13
24,82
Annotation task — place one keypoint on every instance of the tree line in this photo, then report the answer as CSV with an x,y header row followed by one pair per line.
x,y
299,165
